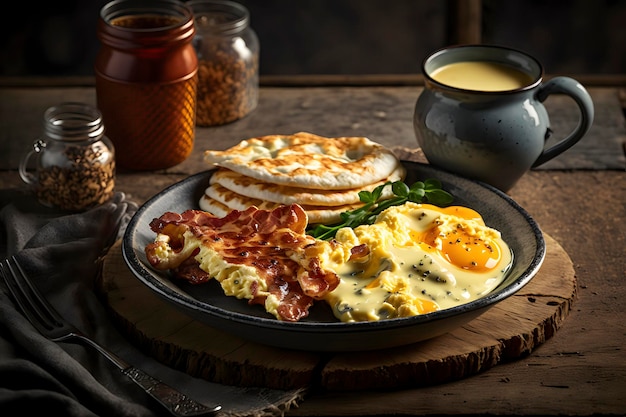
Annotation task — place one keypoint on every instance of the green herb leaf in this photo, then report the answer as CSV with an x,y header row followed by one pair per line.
x,y
439,197
400,189
366,197
430,190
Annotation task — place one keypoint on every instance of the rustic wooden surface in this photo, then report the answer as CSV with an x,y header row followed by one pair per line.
x,y
510,330
384,114
581,203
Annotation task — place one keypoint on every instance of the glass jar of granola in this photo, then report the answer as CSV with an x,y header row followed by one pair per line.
x,y
228,61
75,161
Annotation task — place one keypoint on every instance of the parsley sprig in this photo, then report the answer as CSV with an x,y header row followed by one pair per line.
x,y
429,190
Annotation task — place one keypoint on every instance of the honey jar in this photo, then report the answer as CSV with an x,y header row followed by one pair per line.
x,y
75,161
146,80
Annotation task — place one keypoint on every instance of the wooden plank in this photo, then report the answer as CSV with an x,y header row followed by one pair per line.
x,y
307,80
579,371
384,114
467,22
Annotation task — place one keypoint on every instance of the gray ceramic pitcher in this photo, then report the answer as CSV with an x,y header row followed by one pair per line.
x,y
492,136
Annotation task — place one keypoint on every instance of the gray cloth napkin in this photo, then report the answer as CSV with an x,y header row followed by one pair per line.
x,y
60,252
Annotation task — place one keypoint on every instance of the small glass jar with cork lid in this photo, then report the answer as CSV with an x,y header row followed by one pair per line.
x,y
75,161
228,61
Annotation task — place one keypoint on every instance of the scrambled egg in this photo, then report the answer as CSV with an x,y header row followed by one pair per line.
x,y
237,280
422,258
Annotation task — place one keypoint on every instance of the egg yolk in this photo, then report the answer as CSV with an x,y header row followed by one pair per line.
x,y
460,247
469,252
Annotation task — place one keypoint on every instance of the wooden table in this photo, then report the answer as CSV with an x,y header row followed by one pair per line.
x,y
579,199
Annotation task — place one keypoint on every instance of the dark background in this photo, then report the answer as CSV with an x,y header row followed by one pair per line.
x,y
57,38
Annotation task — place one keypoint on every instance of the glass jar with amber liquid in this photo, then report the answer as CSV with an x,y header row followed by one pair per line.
x,y
146,81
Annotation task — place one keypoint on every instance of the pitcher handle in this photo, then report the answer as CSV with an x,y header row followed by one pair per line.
x,y
26,176
572,88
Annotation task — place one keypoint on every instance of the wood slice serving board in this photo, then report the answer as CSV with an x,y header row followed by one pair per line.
x,y
509,330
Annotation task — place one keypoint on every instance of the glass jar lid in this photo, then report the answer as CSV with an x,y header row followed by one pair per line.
x,y
219,16
73,122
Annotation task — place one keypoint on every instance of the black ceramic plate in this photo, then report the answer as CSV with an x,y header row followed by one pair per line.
x,y
321,331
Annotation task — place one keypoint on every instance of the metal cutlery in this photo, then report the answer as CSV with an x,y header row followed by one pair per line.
x,y
50,324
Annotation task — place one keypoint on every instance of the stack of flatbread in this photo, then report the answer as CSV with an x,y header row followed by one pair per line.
x,y
323,175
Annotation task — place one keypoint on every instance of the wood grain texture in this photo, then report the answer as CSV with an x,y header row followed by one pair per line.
x,y
508,331
580,371
383,114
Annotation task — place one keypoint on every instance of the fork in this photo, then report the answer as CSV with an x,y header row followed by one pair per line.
x,y
50,324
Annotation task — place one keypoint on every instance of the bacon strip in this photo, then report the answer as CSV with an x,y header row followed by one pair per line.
x,y
271,241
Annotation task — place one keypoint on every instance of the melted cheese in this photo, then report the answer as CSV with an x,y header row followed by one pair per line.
x,y
410,268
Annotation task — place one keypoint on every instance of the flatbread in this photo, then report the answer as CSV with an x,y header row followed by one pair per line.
x,y
216,208
219,201
309,161
256,189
